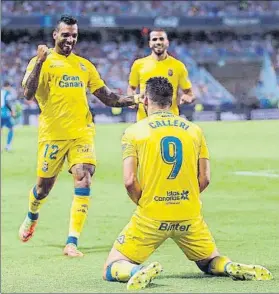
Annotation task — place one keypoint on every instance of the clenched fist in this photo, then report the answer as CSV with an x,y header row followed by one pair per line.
x,y
42,53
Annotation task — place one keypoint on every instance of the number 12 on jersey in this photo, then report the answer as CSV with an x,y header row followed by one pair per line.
x,y
171,151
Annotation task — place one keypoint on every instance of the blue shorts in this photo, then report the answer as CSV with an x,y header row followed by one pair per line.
x,y
6,122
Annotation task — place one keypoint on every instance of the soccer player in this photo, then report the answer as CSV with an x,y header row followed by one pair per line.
x,y
166,167
160,63
58,79
7,114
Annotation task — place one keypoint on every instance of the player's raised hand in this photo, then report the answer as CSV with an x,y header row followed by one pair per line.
x,y
42,53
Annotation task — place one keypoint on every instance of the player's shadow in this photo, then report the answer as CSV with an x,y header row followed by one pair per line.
x,y
187,276
94,249
87,250
152,285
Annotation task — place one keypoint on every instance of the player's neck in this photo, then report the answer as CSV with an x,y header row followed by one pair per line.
x,y
58,51
155,109
159,57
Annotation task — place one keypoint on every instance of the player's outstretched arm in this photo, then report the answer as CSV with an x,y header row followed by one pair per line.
x,y
204,173
130,178
187,97
32,82
112,99
132,91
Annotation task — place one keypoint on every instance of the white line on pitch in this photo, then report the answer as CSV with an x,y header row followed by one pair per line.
x,y
256,174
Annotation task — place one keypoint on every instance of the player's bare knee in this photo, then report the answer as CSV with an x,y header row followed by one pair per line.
x,y
44,186
82,175
42,192
203,264
83,180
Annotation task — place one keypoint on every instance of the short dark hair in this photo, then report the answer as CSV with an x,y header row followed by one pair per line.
x,y
157,30
67,19
160,91
7,84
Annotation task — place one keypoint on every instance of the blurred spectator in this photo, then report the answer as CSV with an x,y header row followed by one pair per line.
x,y
146,8
113,58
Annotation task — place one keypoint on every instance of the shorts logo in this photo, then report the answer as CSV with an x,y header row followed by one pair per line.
x,y
173,227
121,239
84,148
82,66
45,167
124,147
170,72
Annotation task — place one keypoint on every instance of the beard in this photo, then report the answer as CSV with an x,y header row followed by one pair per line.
x,y
66,48
159,51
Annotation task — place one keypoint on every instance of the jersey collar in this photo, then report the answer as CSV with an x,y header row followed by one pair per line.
x,y
60,55
162,112
159,60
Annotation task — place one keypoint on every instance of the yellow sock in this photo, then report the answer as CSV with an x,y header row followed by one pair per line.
x,y
121,270
34,203
217,265
79,212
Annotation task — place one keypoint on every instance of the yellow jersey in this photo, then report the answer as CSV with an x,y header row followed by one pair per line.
x,y
174,70
61,95
167,148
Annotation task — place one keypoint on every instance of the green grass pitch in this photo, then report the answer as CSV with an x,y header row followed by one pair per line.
x,y
242,212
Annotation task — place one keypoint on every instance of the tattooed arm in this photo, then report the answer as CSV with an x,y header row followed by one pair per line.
x,y
32,82
112,99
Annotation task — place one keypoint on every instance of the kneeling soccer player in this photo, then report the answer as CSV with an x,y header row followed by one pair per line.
x,y
170,156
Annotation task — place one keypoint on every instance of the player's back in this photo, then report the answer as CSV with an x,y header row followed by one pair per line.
x,y
168,149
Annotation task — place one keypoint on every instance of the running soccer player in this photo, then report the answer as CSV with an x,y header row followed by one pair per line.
x,y
166,167
58,79
7,114
160,63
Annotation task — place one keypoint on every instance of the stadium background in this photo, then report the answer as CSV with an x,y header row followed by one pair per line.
x,y
231,49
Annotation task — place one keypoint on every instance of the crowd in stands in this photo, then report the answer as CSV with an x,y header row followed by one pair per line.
x,y
113,59
145,8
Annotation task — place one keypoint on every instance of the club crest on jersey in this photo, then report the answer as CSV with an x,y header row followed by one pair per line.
x,y
170,72
82,66
45,167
